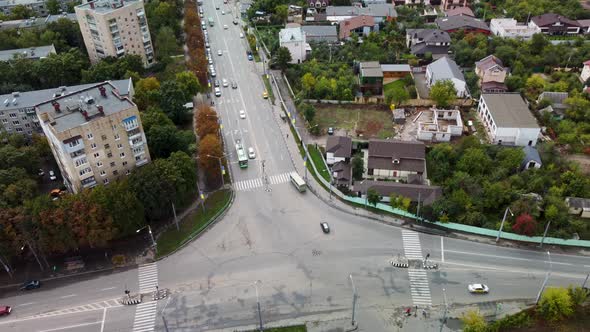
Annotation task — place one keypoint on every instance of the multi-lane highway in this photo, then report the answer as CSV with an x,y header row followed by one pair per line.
x,y
271,240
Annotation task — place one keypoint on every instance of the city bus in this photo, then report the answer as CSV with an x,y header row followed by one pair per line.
x,y
242,157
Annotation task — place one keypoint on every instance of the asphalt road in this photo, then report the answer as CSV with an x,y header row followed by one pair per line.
x,y
271,240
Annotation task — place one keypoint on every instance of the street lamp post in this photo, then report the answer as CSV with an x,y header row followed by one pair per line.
x,y
502,224
258,304
546,278
149,231
354,297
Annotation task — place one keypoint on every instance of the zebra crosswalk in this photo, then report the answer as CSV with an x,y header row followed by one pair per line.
x,y
148,278
145,317
419,287
412,247
253,184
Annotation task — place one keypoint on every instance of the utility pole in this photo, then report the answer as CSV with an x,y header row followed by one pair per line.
x,y
546,278
545,234
261,329
444,319
354,297
502,224
175,218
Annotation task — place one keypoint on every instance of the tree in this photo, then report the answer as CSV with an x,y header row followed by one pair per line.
x,y
358,167
210,146
53,7
555,304
189,83
166,43
373,197
396,96
282,58
525,225
473,321
147,92
443,93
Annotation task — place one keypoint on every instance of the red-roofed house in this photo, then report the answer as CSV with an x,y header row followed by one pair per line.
x,y
361,25
585,75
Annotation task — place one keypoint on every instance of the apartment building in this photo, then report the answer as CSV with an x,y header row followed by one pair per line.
x,y
95,135
37,6
115,28
17,109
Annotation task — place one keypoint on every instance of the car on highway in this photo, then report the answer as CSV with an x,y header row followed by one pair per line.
x,y
251,153
265,94
52,176
217,92
234,85
225,83
325,227
219,52
242,114
478,289
31,284
216,83
5,310
225,27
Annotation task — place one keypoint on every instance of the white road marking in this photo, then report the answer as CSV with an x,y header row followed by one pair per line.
x,y
442,250
70,327
104,316
66,296
108,288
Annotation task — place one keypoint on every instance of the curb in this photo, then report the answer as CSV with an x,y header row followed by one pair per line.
x,y
204,229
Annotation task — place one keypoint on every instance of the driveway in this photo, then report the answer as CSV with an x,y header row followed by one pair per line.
x,y
420,80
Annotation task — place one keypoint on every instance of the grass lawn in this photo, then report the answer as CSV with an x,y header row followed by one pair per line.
x,y
193,223
316,157
369,121
296,328
393,85
271,95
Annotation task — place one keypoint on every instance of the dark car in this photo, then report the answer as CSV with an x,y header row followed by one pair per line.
x,y
33,284
5,310
325,227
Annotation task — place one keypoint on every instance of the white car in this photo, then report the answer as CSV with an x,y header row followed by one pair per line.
x,y
52,176
225,83
478,289
225,27
217,92
219,52
242,114
251,153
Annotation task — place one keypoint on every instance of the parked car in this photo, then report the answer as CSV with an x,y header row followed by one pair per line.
x,y
5,310
242,114
478,289
31,284
52,176
325,227
251,153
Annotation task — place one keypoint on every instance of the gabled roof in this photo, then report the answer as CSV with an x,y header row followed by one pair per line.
x,y
460,11
409,154
340,146
530,154
429,35
445,69
509,110
551,18
489,62
426,194
460,22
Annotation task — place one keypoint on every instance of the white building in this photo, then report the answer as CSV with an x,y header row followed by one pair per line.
x,y
439,125
294,40
446,69
507,119
510,28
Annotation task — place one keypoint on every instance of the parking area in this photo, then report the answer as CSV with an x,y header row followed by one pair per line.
x,y
421,87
